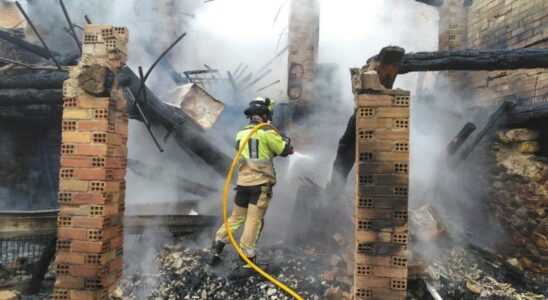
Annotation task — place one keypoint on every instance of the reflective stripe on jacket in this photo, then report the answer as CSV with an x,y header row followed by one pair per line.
x,y
256,166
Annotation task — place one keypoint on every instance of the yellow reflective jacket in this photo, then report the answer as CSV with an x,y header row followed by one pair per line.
x,y
256,167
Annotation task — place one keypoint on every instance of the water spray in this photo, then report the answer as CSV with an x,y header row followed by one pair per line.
x,y
297,157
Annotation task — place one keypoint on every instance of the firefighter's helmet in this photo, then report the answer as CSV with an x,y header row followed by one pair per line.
x,y
260,106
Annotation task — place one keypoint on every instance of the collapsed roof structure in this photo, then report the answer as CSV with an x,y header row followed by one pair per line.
x,y
377,265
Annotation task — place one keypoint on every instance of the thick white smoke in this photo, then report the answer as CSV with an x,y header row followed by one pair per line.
x,y
224,33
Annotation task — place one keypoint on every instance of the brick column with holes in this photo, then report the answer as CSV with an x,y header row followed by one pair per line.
x,y
452,35
382,184
88,261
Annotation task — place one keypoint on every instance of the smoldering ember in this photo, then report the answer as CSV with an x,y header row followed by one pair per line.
x,y
301,149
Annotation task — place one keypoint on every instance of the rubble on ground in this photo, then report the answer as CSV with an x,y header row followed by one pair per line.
x,y
184,274
520,197
10,295
467,273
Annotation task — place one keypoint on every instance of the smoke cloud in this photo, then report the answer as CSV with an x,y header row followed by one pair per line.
x,y
222,34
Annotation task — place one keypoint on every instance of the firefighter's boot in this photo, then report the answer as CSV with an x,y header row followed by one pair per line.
x,y
242,271
216,250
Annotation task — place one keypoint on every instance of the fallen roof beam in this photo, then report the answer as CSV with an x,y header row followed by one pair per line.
x,y
17,224
437,3
388,63
187,134
51,80
32,48
41,267
524,113
460,138
17,97
494,118
69,59
344,161
475,60
160,112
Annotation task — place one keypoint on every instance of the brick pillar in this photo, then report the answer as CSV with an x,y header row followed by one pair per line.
x,y
303,36
303,40
88,262
452,34
382,184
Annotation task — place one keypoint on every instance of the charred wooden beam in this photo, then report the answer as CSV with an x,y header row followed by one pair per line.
x,y
475,60
18,224
53,80
344,161
388,64
189,137
70,59
187,134
65,60
493,119
460,138
32,48
30,113
508,114
436,3
41,267
159,111
525,113
17,97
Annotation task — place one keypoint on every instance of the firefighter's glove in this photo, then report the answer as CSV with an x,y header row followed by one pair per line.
x,y
288,142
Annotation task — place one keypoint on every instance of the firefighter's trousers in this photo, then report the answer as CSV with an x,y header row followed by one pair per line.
x,y
250,207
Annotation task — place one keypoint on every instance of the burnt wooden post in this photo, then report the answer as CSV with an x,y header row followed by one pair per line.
x,y
88,263
382,185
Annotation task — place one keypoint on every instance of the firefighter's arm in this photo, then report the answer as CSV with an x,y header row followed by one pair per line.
x,y
281,146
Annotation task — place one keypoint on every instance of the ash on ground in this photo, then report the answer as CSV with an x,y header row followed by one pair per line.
x,y
475,273
183,273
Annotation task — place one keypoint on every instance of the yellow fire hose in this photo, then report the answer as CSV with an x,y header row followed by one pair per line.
x,y
225,216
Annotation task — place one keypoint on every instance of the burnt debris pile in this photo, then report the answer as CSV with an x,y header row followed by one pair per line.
x,y
183,273
520,197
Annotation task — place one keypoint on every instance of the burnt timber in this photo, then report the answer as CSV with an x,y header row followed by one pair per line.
x,y
521,114
436,3
17,224
475,60
18,97
30,47
187,135
388,60
50,80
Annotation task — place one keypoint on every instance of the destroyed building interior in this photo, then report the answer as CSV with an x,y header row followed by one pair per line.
x,y
416,168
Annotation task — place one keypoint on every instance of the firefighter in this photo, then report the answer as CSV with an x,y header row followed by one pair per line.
x,y
256,177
